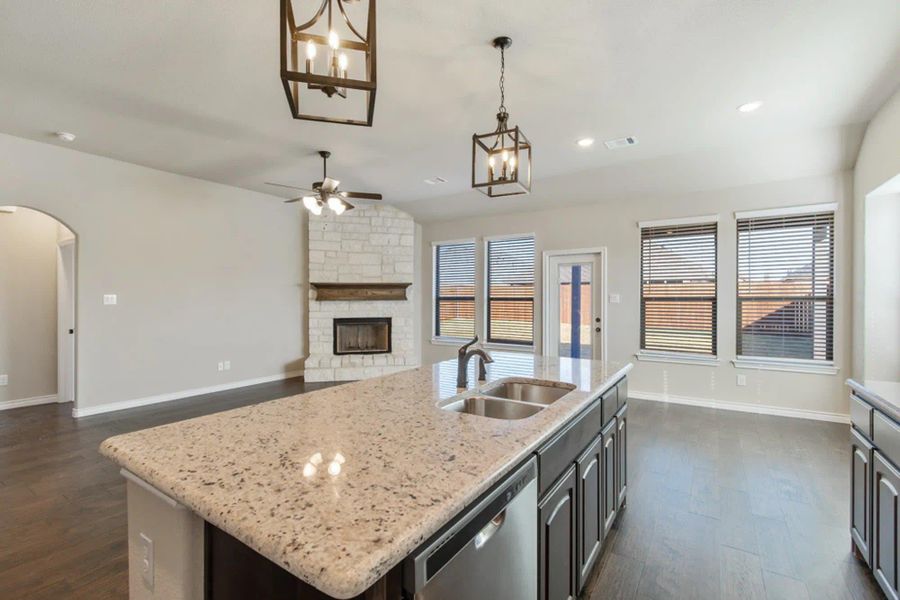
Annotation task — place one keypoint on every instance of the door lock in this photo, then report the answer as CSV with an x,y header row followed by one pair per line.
x,y
597,329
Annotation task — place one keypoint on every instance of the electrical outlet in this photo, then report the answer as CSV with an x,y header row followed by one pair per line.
x,y
4,379
221,366
227,365
146,558
742,380
110,299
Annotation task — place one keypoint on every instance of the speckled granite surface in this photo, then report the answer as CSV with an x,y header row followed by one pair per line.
x,y
341,484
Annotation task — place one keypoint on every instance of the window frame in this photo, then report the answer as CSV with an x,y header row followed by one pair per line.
x,y
789,364
675,356
486,304
436,337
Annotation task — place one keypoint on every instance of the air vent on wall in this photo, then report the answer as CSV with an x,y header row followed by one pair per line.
x,y
621,143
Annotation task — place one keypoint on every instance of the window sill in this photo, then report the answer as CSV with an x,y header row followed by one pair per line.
x,y
790,366
678,358
508,347
449,341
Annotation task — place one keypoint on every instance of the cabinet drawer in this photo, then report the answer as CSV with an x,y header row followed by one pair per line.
x,y
559,453
610,400
622,392
886,435
861,415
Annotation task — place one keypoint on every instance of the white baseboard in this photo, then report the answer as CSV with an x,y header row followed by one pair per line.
x,y
34,401
761,409
148,400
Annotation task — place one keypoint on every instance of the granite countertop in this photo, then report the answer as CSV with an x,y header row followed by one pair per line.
x,y
339,485
884,395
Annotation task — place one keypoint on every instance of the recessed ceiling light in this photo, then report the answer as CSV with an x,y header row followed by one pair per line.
x,y
65,136
750,106
586,142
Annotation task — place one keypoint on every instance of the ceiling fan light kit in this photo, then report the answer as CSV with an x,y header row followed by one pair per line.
x,y
315,59
501,159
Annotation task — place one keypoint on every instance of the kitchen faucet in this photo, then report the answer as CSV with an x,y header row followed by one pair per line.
x,y
462,363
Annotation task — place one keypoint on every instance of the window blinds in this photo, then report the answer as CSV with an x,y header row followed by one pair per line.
x,y
785,287
678,288
454,289
510,283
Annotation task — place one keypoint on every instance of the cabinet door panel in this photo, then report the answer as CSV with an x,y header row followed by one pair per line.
x,y
590,509
556,573
622,450
610,494
860,494
886,483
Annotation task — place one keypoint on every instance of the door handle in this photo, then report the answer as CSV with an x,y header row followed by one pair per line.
x,y
488,531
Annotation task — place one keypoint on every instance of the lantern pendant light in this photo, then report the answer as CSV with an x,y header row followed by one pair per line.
x,y
501,159
343,65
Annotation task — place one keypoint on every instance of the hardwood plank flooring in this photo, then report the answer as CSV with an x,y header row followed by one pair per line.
x,y
720,504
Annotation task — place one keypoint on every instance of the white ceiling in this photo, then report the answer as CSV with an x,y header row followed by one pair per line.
x,y
193,88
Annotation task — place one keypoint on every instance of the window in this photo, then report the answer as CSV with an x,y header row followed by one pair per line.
x,y
785,285
678,287
454,290
510,285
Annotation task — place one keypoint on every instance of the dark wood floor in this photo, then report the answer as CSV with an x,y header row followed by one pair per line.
x,y
720,504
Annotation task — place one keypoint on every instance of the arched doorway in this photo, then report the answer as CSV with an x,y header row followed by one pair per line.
x,y
37,309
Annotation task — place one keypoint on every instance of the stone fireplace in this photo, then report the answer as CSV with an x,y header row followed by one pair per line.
x,y
361,309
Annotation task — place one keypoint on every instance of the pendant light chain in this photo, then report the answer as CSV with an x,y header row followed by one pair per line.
x,y
502,107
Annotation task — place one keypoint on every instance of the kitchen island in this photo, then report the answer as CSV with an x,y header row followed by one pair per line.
x,y
338,487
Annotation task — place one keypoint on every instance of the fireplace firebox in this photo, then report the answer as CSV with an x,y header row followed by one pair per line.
x,y
362,336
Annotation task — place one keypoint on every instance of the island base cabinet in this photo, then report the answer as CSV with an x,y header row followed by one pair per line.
x,y
556,551
860,495
610,467
886,486
621,455
590,509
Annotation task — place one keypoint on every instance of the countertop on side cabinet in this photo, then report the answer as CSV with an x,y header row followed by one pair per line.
x,y
266,474
883,395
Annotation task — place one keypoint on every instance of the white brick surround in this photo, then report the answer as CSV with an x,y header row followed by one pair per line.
x,y
371,244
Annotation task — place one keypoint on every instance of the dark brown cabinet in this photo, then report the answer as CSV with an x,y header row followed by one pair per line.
x,y
589,468
622,455
860,496
610,468
886,493
557,555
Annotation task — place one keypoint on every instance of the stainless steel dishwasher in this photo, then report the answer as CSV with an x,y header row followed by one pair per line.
x,y
488,553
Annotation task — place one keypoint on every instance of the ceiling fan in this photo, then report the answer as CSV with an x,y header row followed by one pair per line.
x,y
325,193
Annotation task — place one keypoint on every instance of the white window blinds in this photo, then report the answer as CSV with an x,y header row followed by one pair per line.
x,y
678,288
510,284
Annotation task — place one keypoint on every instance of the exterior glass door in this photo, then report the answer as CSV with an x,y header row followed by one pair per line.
x,y
574,288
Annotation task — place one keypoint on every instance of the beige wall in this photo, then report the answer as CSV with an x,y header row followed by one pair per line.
x,y
878,161
27,304
203,272
882,300
614,225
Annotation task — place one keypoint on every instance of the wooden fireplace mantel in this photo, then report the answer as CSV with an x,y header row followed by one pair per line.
x,y
360,291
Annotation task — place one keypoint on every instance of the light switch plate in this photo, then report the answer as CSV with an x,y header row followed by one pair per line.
x,y
4,379
227,365
146,560
109,299
742,380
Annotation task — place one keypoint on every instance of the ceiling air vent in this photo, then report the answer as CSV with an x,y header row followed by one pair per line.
x,y
621,143
435,181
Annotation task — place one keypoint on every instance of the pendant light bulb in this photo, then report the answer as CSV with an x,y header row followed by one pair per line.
x,y
505,155
491,161
333,40
343,61
310,50
512,162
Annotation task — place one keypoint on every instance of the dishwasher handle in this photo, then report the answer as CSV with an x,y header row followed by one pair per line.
x,y
489,530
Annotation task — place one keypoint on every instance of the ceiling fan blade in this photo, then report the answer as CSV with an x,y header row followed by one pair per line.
x,y
361,195
293,200
291,187
329,185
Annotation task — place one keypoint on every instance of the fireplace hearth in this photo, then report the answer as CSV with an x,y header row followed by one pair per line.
x,y
362,336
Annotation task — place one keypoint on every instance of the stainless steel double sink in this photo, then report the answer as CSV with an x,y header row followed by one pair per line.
x,y
510,399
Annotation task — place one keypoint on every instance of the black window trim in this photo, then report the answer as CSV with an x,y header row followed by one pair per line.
x,y
437,298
